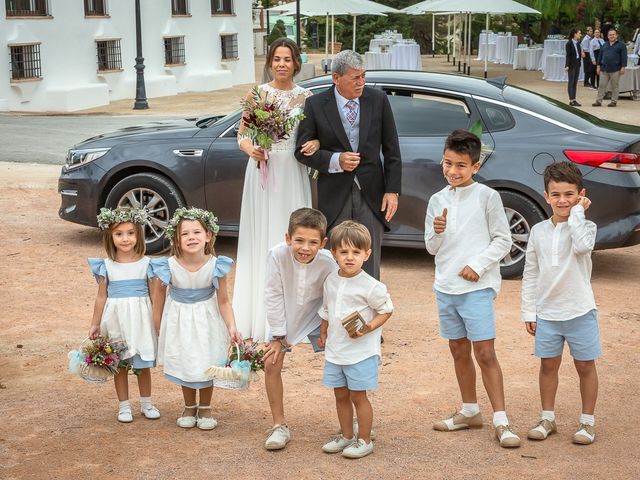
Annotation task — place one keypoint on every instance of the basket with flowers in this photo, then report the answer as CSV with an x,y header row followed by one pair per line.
x,y
243,364
99,359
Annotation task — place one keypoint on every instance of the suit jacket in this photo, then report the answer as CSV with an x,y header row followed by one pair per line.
x,y
377,132
571,60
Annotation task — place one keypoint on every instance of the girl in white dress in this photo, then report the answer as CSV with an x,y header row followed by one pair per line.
x,y
264,213
122,309
195,319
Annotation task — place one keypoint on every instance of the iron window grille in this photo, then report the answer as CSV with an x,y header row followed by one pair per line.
x,y
221,7
229,46
26,8
95,8
109,55
174,51
179,7
25,61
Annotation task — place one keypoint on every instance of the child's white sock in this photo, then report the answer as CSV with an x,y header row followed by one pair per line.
x,y
588,419
145,402
124,405
548,415
500,418
470,409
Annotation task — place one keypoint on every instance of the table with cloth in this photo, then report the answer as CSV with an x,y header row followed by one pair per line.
x,y
552,46
527,58
377,61
505,45
487,43
554,69
406,56
629,82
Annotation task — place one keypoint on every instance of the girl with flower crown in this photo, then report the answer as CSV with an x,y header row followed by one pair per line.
x,y
123,309
195,320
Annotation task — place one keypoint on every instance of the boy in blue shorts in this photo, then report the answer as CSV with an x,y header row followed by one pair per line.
x,y
467,231
295,274
352,350
557,300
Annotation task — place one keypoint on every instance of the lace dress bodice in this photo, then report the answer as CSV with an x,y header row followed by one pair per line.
x,y
293,100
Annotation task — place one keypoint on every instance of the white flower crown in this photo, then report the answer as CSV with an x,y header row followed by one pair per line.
x,y
107,216
192,213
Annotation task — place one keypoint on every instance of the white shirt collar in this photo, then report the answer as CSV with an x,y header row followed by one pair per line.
x,y
343,101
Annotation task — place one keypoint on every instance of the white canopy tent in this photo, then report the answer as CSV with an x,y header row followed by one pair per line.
x,y
469,7
315,8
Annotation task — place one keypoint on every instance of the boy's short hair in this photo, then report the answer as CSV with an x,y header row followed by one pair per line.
x,y
308,218
567,172
350,233
461,141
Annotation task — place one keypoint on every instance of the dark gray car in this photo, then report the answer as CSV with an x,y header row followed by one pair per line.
x,y
167,165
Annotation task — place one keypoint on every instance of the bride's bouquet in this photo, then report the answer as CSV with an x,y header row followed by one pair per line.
x,y
267,121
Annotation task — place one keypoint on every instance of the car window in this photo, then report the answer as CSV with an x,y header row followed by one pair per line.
x,y
496,118
421,114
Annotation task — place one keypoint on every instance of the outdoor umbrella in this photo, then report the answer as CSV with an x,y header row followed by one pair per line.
x,y
314,8
488,7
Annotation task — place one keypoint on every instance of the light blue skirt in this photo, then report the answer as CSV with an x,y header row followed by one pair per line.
x,y
139,363
193,385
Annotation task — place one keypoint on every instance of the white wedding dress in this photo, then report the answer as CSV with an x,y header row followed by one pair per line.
x,y
264,218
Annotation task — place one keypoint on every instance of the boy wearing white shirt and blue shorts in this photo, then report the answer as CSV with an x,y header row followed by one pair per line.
x,y
295,274
557,299
467,231
352,351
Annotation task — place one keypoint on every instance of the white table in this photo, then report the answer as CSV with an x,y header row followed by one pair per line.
x,y
377,61
505,45
632,60
380,44
527,58
483,37
552,46
554,69
406,56
482,51
630,81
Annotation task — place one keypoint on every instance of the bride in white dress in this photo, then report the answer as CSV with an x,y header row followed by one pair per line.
x,y
264,215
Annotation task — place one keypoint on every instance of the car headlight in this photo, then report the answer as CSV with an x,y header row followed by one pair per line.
x,y
78,158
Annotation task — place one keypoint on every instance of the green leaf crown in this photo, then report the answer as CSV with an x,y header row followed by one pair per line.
x,y
193,213
108,216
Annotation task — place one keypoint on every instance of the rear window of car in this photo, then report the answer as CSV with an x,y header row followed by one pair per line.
x,y
496,118
421,114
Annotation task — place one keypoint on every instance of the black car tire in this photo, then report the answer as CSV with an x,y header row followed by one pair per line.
x,y
143,190
522,214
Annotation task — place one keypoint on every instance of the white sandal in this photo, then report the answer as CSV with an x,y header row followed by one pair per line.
x,y
188,421
150,412
206,423
125,415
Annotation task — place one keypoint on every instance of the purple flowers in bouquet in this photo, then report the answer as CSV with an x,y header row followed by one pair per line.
x,y
266,121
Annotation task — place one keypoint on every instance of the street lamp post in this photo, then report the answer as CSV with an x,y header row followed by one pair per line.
x,y
298,22
141,94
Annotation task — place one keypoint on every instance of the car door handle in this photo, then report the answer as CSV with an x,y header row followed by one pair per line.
x,y
194,152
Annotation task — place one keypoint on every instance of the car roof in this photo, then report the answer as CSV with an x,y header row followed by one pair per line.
x,y
491,88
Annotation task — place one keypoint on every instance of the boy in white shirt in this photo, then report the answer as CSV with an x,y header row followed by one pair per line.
x,y
557,300
352,355
467,231
295,273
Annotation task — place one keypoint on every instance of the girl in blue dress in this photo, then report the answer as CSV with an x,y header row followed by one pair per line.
x,y
195,320
122,308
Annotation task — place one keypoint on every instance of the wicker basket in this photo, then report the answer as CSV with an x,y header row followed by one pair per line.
x,y
92,373
227,378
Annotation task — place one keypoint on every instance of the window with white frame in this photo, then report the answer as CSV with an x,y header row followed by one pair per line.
x,y
109,55
179,7
25,61
95,8
174,50
229,43
26,8
221,7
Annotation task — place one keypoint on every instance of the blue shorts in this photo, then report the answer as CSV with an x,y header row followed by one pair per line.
x,y
357,377
313,338
581,333
468,315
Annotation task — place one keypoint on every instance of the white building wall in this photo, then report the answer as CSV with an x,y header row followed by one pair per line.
x,y
70,80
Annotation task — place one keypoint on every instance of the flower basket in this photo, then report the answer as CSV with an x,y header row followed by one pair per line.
x,y
97,360
241,368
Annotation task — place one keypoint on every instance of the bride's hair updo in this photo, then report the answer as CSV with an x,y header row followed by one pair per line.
x,y
295,55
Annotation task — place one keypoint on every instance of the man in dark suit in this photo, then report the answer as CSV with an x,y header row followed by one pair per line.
x,y
354,124
573,63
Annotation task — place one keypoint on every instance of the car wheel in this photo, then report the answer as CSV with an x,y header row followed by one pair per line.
x,y
522,214
158,195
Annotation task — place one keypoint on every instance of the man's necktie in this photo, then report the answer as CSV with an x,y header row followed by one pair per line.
x,y
352,111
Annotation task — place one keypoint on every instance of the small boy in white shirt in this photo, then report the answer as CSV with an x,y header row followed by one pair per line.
x,y
467,231
352,355
296,271
557,300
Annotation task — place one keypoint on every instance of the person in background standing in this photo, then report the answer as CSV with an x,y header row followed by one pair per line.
x,y
594,52
572,64
586,58
613,60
